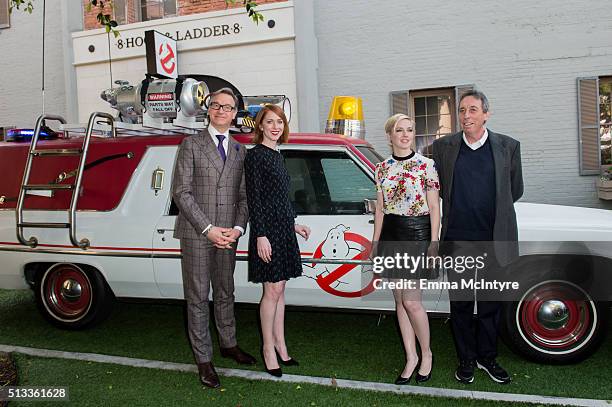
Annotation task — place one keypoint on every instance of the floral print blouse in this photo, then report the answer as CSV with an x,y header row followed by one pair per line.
x,y
404,183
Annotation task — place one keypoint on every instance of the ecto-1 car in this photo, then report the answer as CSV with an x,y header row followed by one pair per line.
x,y
88,219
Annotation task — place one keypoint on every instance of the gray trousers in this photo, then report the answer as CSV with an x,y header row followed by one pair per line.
x,y
203,265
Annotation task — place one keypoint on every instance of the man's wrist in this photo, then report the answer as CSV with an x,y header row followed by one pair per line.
x,y
207,229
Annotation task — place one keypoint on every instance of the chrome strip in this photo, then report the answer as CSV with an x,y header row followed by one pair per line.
x,y
89,252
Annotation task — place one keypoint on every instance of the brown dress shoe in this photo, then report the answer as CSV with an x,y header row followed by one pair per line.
x,y
238,355
208,375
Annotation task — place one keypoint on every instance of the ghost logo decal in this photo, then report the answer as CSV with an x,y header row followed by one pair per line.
x,y
341,244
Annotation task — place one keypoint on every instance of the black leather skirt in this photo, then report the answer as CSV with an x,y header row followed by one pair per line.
x,y
405,228
406,237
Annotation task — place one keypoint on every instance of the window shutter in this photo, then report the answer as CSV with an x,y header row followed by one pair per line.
x,y
588,125
399,103
460,91
5,20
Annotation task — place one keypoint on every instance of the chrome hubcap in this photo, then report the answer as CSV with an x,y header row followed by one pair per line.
x,y
71,290
553,314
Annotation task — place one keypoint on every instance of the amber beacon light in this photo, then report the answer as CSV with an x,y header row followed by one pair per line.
x,y
346,117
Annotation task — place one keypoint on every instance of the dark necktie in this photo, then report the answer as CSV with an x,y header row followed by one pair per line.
x,y
220,146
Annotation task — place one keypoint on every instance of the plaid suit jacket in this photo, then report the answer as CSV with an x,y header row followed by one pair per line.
x,y
205,190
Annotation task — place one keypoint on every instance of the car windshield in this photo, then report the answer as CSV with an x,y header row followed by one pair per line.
x,y
371,154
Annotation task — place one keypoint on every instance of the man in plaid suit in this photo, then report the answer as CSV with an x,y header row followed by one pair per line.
x,y
209,190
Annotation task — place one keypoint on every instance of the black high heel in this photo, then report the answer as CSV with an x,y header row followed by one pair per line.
x,y
278,372
401,380
288,362
420,378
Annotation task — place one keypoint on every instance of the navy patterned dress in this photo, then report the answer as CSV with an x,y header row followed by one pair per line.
x,y
271,215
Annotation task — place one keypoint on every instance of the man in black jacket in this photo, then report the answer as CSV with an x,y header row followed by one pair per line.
x,y
481,178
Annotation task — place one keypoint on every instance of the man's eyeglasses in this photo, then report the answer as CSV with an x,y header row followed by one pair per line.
x,y
217,106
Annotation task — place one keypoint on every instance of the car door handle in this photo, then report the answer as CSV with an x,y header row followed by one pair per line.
x,y
162,231
371,221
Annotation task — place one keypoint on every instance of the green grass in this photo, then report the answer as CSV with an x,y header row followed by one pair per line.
x,y
327,344
96,384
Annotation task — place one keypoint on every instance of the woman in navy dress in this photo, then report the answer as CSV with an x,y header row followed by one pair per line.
x,y
274,255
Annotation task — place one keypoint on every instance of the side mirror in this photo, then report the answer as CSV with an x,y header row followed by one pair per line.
x,y
369,206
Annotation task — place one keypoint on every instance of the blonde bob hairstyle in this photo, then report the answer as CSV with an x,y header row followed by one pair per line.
x,y
258,138
393,120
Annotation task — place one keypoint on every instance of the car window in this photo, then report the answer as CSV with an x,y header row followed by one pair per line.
x,y
327,183
323,183
371,154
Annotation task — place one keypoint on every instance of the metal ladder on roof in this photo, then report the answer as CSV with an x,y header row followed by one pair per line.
x,y
25,186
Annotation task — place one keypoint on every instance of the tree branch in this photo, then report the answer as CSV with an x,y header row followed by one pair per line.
x,y
110,25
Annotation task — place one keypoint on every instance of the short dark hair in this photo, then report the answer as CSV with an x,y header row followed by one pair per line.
x,y
478,95
258,138
225,91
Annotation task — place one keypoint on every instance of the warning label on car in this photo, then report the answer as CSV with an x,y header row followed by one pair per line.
x,y
160,96
161,102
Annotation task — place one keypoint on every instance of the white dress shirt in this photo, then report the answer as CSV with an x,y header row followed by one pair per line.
x,y
214,132
477,144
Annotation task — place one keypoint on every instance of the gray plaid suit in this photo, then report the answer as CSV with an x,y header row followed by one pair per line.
x,y
208,192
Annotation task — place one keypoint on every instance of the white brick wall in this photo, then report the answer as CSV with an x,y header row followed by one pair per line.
x,y
20,72
20,67
21,63
524,55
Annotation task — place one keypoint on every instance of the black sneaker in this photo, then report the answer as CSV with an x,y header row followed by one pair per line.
x,y
465,371
495,371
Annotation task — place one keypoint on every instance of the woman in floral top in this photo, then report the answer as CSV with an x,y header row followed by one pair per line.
x,y
407,209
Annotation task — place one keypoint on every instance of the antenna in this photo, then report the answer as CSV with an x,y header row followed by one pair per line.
x,y
43,57
110,62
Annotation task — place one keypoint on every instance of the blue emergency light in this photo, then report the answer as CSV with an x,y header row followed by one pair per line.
x,y
27,134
